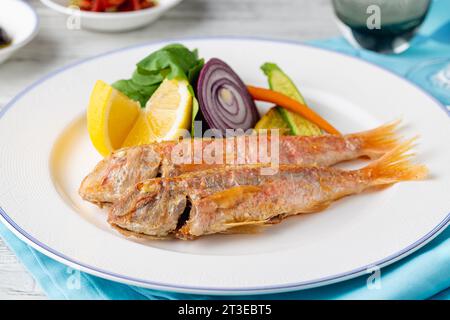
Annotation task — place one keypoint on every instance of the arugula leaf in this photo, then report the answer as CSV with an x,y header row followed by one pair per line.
x,y
146,79
194,71
175,57
173,61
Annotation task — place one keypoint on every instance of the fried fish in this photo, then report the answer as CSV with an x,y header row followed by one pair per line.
x,y
224,199
123,169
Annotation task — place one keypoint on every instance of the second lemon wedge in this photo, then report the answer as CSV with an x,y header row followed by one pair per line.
x,y
166,115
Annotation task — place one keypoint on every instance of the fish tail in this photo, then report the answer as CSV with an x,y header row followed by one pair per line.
x,y
395,166
378,141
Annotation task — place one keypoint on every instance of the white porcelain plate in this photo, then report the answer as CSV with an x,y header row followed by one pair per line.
x,y
45,153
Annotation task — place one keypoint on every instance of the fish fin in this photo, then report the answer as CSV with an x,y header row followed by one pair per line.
x,y
244,223
245,229
128,233
230,198
191,167
318,206
380,187
277,219
151,186
395,166
380,140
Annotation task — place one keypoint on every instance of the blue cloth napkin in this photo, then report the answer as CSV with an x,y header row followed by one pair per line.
x,y
422,275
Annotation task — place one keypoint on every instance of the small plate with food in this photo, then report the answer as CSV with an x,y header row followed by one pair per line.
x,y
111,15
186,166
19,24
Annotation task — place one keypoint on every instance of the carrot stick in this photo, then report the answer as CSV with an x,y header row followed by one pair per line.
x,y
283,101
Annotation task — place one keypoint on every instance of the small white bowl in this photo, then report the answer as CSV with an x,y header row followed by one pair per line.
x,y
110,21
20,22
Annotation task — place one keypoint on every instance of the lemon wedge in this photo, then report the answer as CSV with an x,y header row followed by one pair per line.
x,y
166,116
110,117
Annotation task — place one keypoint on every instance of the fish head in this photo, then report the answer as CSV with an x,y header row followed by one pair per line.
x,y
119,172
152,208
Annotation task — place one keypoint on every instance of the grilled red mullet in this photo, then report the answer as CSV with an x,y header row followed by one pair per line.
x,y
123,169
224,199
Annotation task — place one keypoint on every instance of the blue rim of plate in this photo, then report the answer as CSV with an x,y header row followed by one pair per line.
x,y
216,290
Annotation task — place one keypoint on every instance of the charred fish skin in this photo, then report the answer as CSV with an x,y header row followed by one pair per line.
x,y
122,170
153,208
226,198
114,175
295,190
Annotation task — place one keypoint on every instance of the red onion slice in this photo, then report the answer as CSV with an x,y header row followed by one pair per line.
x,y
223,98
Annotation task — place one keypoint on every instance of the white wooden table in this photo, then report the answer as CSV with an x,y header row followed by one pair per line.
x,y
56,46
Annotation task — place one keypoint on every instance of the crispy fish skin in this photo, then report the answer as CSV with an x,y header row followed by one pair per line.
x,y
154,207
113,175
226,198
123,169
296,190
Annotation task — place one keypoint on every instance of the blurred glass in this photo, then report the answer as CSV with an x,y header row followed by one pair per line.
x,y
384,26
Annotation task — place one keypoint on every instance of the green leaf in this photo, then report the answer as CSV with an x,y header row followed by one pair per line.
x,y
176,57
195,70
146,79
173,61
